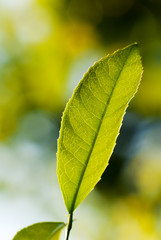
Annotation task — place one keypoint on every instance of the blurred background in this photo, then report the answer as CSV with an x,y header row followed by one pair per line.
x,y
45,48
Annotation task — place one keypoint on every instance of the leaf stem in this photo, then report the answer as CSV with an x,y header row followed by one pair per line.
x,y
70,222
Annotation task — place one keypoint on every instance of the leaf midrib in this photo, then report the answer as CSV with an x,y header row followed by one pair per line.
x,y
95,139
59,227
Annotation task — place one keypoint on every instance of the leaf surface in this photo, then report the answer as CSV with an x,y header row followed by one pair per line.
x,y
91,122
41,231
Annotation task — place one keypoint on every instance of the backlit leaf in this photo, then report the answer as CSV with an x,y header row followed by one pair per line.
x,y
91,122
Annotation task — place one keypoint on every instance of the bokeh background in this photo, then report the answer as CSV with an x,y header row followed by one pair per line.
x,y
45,48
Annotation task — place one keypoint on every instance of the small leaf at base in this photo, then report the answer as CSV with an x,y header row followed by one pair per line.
x,y
41,231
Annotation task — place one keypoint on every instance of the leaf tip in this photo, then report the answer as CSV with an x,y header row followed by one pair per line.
x,y
133,45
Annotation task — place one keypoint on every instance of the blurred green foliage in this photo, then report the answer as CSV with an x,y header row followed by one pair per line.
x,y
37,47
40,40
45,48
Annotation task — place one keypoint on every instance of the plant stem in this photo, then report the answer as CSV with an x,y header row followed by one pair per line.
x,y
69,225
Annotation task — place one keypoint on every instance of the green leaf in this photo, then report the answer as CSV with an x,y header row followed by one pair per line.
x,y
91,122
41,231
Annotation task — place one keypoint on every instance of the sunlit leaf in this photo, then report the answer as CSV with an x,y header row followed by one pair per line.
x,y
41,231
92,120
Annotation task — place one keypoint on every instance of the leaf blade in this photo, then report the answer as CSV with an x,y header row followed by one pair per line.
x,y
91,122
41,231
